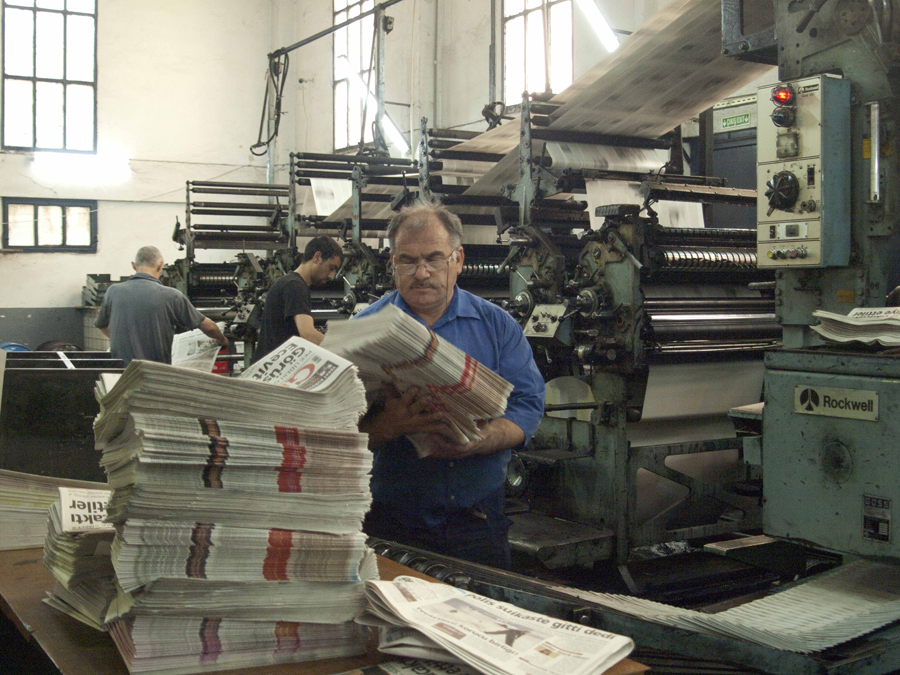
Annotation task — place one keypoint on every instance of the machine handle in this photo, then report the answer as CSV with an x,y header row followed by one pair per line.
x,y
875,151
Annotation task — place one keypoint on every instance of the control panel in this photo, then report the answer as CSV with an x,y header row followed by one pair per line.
x,y
803,173
546,321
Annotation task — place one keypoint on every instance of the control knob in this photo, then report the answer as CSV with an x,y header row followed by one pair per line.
x,y
782,191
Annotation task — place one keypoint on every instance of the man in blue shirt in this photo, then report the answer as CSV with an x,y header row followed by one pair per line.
x,y
451,501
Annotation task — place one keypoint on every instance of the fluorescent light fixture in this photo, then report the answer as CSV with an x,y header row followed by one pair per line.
x,y
110,165
599,23
359,89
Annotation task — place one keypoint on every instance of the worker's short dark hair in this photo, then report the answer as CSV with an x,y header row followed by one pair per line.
x,y
417,217
325,245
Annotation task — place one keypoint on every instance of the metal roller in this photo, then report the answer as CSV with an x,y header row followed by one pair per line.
x,y
211,279
697,259
480,270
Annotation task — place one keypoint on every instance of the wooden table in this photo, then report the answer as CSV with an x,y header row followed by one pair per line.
x,y
77,649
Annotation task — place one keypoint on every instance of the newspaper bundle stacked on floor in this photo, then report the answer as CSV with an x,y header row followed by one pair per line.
x,y
77,553
237,519
24,500
391,346
862,324
435,621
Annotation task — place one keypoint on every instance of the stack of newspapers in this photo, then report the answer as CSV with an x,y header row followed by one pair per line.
x,y
24,500
419,619
237,513
863,324
77,553
392,347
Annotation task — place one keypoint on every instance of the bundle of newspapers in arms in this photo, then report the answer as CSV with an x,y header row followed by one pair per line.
x,y
392,347
237,514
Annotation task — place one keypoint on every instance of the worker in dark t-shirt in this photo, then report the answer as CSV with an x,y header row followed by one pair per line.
x,y
288,309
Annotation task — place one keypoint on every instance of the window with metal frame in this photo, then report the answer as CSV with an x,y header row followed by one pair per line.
x,y
50,225
50,75
354,75
538,51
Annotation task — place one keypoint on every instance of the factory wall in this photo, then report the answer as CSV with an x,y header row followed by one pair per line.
x,y
180,88
448,41
180,91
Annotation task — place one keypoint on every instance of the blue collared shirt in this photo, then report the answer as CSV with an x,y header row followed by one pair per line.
x,y
422,491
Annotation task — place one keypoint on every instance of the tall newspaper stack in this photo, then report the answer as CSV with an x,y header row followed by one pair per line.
x,y
237,505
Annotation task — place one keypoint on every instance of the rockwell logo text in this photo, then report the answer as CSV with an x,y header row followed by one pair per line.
x,y
834,402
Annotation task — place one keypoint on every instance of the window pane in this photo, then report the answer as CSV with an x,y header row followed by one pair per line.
x,y
80,48
79,117
353,42
535,74
339,4
18,42
354,116
368,36
370,107
49,226
86,6
21,225
21,3
367,5
78,226
340,45
49,45
340,115
511,7
49,118
18,114
560,46
532,4
51,4
514,60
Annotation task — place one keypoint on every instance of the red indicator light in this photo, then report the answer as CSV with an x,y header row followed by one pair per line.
x,y
783,95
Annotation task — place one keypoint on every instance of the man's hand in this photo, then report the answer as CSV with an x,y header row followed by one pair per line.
x,y
499,434
407,413
209,327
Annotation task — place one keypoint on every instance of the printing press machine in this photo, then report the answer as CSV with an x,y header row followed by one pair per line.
x,y
234,292
604,305
377,187
827,213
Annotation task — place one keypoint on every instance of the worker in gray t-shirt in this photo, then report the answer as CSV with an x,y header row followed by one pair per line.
x,y
140,316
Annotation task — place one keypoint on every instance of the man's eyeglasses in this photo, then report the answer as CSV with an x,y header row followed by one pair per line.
x,y
431,266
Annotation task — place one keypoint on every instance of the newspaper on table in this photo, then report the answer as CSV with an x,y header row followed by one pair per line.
x,y
83,510
863,324
432,667
811,616
392,347
494,637
194,349
77,553
237,505
299,384
171,645
299,364
24,500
